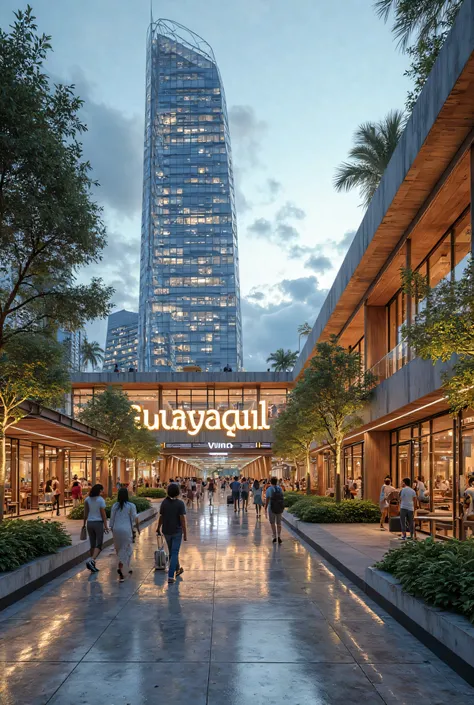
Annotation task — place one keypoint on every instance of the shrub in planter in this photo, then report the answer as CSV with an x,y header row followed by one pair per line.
x,y
325,510
441,573
22,541
141,504
292,497
151,492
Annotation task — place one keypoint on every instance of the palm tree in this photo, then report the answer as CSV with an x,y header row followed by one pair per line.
x,y
374,144
282,361
304,329
422,18
91,354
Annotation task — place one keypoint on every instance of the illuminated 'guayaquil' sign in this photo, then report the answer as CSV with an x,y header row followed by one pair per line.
x,y
196,420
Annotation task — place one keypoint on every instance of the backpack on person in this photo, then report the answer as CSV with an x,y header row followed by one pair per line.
x,y
277,501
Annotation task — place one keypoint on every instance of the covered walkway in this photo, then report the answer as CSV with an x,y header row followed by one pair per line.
x,y
249,623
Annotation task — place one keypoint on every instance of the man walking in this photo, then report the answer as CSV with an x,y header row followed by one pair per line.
x,y
274,506
235,487
172,523
245,494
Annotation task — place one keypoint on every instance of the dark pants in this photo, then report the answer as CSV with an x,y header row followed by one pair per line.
x,y
406,521
56,502
174,544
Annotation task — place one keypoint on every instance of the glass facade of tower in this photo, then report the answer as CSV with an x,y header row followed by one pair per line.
x,y
189,310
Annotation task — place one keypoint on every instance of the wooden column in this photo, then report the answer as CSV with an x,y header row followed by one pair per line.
x,y
115,472
268,464
375,334
35,476
472,196
104,470
94,467
320,489
376,462
60,473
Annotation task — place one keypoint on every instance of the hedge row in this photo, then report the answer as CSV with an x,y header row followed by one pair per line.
x,y
151,492
140,502
441,573
22,541
325,510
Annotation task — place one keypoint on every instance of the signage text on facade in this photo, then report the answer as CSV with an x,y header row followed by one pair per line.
x,y
194,421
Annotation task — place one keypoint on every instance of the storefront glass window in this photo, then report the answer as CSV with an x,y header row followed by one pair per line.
x,y
275,400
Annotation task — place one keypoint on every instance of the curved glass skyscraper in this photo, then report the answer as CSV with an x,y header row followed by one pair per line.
x,y
189,310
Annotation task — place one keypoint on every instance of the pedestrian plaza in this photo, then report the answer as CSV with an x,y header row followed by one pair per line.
x,y
248,622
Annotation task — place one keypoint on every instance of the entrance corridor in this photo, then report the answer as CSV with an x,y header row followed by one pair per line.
x,y
249,623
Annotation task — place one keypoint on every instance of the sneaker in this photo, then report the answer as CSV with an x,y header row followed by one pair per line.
x,y
402,538
180,571
382,528
91,566
274,540
279,540
120,574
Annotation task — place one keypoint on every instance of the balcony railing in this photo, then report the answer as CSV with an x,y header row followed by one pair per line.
x,y
392,362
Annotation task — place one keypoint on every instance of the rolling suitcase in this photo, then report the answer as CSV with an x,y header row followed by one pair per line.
x,y
161,557
230,499
394,524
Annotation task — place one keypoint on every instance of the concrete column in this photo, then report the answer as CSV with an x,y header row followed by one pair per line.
x,y
376,462
375,334
35,477
94,467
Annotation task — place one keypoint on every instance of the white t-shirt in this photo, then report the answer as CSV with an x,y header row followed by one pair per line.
x,y
421,489
407,498
385,491
95,504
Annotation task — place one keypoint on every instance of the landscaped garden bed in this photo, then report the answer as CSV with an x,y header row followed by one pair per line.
x,y
151,492
439,572
22,541
141,503
325,510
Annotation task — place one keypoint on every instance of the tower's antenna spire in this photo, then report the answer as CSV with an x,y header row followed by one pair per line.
x,y
151,11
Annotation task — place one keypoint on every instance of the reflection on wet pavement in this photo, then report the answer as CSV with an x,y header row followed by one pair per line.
x,y
249,623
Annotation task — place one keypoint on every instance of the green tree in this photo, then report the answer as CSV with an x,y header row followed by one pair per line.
x,y
428,23
31,368
303,331
91,354
443,328
282,361
332,391
374,144
49,225
294,432
111,413
140,446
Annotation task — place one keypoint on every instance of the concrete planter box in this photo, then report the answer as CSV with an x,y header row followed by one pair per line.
x,y
449,634
20,582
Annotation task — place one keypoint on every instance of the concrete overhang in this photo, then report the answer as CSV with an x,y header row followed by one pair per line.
x,y
429,171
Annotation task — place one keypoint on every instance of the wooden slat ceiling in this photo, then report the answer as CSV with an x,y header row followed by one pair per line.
x,y
39,430
453,124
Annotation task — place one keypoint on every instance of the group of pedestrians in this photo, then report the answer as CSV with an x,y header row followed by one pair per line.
x,y
171,523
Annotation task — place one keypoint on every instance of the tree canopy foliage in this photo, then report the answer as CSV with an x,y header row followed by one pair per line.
x,y
50,226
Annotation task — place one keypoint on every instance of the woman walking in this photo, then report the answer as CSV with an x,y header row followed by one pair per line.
x,y
257,497
123,522
96,520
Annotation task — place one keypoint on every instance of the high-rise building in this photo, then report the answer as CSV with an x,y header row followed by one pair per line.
x,y
189,311
72,342
121,347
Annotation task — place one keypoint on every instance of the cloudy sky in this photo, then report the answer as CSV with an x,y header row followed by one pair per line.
x,y
299,76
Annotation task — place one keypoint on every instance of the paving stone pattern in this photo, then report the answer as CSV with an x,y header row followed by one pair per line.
x,y
249,623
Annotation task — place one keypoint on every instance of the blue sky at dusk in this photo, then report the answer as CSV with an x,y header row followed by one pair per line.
x,y
299,77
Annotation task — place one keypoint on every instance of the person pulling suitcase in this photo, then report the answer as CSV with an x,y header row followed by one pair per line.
x,y
172,524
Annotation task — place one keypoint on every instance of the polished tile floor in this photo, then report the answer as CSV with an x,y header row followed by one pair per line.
x,y
249,623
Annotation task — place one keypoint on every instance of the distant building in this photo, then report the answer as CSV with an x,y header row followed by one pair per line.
x,y
189,308
72,342
121,347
